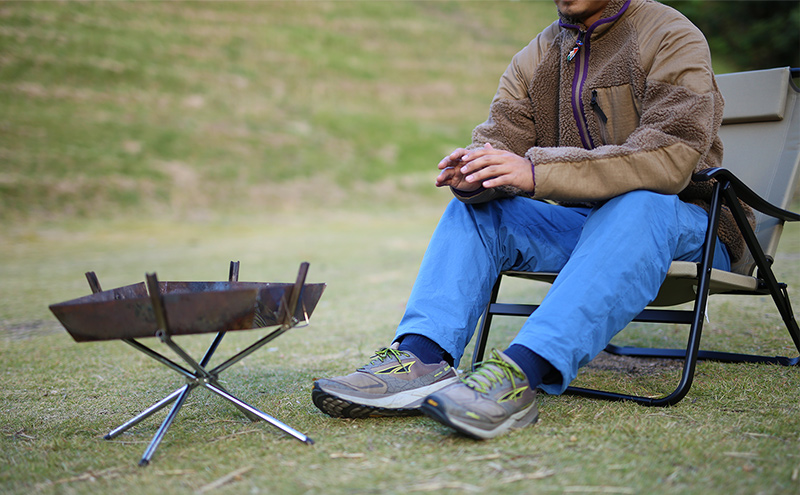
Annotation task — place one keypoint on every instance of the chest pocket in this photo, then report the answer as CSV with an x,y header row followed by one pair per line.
x,y
616,111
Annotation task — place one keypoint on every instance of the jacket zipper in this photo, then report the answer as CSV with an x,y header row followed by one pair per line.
x,y
581,59
581,51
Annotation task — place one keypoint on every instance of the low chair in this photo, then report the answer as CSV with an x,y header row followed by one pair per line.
x,y
761,137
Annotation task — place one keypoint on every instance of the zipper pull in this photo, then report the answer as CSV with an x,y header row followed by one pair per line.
x,y
578,45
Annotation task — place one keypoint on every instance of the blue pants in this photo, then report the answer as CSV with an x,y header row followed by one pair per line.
x,y
612,260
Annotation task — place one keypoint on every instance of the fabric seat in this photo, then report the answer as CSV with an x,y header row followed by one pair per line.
x,y
761,137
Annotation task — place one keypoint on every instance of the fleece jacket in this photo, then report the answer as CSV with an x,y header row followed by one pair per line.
x,y
627,103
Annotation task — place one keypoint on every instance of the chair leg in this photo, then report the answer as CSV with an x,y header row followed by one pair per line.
x,y
687,375
721,357
698,315
780,297
776,290
486,323
785,308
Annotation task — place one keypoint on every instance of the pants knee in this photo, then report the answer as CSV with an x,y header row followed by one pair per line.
x,y
479,214
643,209
456,208
643,201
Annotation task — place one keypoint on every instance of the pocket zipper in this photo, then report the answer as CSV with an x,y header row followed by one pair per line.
x,y
602,116
596,107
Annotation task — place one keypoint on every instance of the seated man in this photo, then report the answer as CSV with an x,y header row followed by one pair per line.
x,y
606,113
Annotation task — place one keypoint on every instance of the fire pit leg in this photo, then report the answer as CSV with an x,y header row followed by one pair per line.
x,y
269,419
144,414
162,430
233,276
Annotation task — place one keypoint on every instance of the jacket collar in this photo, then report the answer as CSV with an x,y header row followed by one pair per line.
x,y
613,11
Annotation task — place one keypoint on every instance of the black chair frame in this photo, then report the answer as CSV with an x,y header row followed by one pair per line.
x,y
727,190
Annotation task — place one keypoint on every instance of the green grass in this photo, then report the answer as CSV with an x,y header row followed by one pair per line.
x,y
110,107
174,137
735,433
117,106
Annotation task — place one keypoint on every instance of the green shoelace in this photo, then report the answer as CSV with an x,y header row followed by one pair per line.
x,y
491,372
385,353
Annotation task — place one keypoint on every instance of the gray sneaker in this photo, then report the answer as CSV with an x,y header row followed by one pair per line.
x,y
392,384
488,402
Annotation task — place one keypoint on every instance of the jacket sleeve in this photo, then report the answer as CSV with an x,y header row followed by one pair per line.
x,y
510,125
681,113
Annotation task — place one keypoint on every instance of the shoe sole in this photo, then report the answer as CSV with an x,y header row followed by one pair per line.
x,y
521,419
340,408
403,404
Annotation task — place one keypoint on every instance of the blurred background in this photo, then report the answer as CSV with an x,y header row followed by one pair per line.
x,y
186,109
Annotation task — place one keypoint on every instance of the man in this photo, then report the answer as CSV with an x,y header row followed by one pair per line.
x,y
607,113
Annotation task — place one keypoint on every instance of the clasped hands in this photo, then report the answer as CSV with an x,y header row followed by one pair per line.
x,y
468,170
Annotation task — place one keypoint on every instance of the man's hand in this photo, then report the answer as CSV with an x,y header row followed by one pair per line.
x,y
451,175
468,170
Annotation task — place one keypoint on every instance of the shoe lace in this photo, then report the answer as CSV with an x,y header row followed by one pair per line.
x,y
385,353
491,372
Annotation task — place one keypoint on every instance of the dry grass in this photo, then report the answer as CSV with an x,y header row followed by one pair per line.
x,y
736,432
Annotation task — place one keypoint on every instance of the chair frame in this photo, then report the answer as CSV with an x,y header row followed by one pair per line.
x,y
727,190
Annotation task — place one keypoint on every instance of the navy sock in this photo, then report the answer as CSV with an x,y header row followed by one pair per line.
x,y
425,349
533,365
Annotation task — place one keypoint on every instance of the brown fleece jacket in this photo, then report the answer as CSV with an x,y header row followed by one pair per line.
x,y
642,112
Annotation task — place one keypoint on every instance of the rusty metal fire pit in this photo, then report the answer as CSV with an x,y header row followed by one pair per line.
x,y
167,309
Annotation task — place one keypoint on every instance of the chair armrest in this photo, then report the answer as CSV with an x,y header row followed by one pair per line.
x,y
746,194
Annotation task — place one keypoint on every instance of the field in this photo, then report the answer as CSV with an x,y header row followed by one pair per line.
x,y
175,137
192,106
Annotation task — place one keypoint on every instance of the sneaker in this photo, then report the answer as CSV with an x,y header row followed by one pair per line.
x,y
487,402
394,383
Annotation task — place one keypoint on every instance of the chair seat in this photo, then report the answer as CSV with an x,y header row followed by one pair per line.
x,y
680,285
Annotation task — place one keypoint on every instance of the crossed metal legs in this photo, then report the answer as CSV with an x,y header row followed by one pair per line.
x,y
198,375
207,379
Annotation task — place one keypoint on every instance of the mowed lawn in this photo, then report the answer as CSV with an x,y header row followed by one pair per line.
x,y
736,432
175,137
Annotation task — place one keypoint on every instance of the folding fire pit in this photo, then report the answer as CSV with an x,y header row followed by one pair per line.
x,y
167,309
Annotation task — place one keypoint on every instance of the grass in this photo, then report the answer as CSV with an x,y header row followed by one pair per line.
x,y
736,432
182,107
111,106
177,136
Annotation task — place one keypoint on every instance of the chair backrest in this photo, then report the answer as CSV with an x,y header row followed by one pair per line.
x,y
761,138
